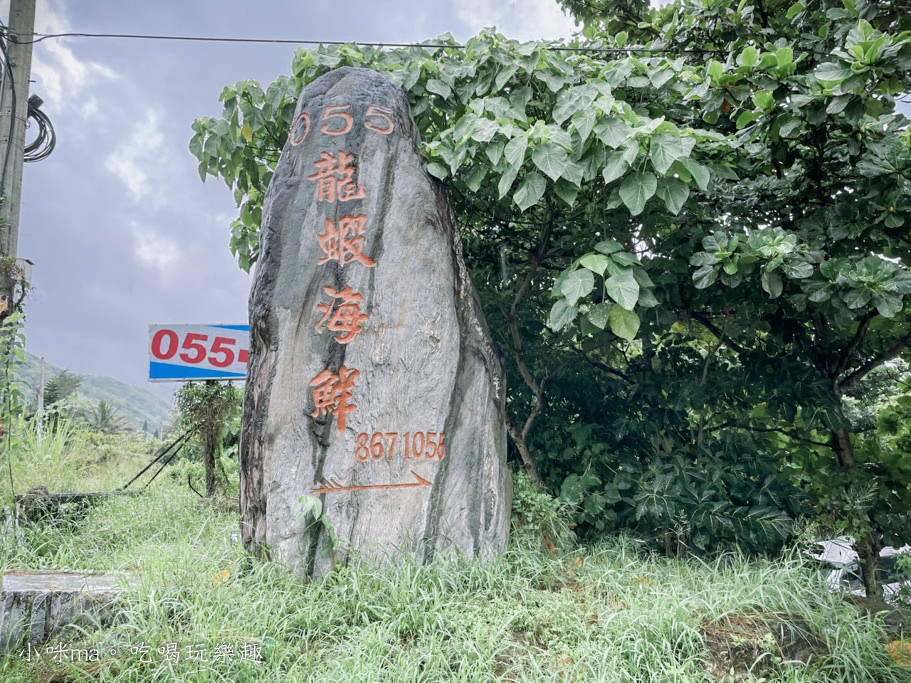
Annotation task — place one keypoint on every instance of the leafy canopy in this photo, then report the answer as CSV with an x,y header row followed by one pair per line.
x,y
700,209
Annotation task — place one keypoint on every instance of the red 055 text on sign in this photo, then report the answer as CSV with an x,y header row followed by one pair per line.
x,y
195,348
337,121
427,445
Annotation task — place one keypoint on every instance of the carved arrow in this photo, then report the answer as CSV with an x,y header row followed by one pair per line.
x,y
332,485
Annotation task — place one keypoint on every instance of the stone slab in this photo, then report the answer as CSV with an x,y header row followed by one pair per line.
x,y
36,606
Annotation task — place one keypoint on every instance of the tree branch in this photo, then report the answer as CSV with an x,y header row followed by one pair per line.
x,y
739,425
871,364
600,364
703,320
852,347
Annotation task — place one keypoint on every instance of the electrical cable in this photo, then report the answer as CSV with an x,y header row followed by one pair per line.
x,y
178,443
290,41
44,144
163,465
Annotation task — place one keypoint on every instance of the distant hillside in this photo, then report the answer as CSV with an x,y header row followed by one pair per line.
x,y
138,406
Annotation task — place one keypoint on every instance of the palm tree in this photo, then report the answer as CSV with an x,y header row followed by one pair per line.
x,y
105,418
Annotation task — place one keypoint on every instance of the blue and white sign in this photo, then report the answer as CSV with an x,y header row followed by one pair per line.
x,y
178,353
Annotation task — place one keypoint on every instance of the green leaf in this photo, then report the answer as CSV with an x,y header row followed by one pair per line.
x,y
505,75
647,299
703,258
561,314
550,158
664,150
798,270
746,118
438,87
772,284
818,291
673,193
566,191
784,56
705,276
576,285
637,189
829,72
614,167
623,288
309,507
624,323
600,314
584,121
764,99
437,170
494,151
715,70
700,173
608,247
749,56
790,128
624,258
515,151
484,129
506,180
659,78
597,263
613,131
476,177
531,191
887,305
794,10
856,298
572,100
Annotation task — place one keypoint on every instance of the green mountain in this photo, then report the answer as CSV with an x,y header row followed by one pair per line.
x,y
138,407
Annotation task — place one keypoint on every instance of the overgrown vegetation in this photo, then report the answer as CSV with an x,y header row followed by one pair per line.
x,y
612,611
209,412
689,233
71,458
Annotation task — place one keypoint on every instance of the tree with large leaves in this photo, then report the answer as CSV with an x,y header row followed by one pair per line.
x,y
706,206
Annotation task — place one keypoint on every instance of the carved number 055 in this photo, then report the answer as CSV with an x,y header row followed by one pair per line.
x,y
337,121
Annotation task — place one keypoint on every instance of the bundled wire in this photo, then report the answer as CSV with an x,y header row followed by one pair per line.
x,y
42,146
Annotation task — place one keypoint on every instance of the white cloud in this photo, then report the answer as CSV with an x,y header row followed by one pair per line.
x,y
519,19
141,160
61,75
153,250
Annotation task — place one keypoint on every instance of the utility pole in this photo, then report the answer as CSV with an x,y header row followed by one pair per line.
x,y
13,115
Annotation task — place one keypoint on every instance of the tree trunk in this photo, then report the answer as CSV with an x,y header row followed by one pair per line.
x,y
868,553
844,448
208,457
518,438
866,545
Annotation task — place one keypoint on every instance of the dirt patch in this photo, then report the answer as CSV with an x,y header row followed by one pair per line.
x,y
896,620
753,645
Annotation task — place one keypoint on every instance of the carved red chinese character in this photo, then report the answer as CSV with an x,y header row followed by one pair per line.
x,y
332,394
346,319
335,178
344,243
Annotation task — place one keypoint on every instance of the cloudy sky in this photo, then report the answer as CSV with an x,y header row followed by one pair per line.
x,y
120,228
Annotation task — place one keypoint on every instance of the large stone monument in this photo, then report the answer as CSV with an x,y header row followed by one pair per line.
x,y
373,385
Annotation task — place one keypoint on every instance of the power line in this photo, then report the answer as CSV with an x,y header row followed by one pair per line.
x,y
39,37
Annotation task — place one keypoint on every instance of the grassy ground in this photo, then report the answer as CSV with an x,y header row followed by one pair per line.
x,y
608,613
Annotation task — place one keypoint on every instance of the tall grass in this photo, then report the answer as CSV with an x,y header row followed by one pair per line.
x,y
608,613
64,457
